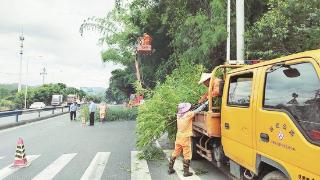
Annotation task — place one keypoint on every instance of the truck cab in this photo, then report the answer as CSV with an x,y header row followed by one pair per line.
x,y
269,120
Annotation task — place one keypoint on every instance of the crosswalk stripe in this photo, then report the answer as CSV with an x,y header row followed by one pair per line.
x,y
96,167
139,168
10,169
178,163
55,167
1,157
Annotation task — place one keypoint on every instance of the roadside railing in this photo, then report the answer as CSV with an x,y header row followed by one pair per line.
x,y
18,113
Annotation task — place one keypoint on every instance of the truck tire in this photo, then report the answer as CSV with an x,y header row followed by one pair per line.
x,y
195,155
275,175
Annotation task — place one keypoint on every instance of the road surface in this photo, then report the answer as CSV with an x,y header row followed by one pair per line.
x,y
60,149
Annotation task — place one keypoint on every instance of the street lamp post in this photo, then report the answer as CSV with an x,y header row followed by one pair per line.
x,y
21,38
27,83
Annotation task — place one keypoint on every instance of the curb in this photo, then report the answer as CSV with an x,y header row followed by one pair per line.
x,y
30,121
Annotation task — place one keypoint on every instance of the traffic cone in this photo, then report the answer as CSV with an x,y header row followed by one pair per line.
x,y
20,157
83,121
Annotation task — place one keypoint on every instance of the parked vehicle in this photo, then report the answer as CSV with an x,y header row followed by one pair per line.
x,y
71,98
268,123
56,100
37,105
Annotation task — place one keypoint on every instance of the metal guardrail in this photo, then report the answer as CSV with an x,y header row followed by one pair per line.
x,y
17,113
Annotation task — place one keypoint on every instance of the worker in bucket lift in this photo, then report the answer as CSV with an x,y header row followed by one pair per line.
x,y
183,137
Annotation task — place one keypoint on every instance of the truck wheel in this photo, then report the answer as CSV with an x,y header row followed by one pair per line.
x,y
194,141
275,175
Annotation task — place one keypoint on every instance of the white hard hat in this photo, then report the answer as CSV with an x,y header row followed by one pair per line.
x,y
204,77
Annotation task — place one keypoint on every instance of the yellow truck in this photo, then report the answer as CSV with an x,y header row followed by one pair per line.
x,y
268,124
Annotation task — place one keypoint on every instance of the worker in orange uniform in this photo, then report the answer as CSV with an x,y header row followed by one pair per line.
x,y
205,80
146,39
102,111
183,137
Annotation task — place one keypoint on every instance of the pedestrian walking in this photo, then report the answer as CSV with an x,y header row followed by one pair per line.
x,y
183,137
92,110
103,111
73,111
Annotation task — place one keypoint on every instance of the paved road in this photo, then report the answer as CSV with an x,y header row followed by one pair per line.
x,y
60,149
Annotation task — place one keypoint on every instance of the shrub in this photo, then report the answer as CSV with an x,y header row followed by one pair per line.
x,y
112,113
84,112
6,105
121,113
158,114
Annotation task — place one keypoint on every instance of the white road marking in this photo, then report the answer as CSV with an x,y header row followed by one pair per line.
x,y
139,168
55,167
1,157
96,167
10,169
178,166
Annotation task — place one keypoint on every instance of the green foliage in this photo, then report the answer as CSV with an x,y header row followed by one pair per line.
x,y
95,98
112,113
4,92
189,37
287,27
121,113
71,90
44,94
158,114
200,172
6,105
151,153
84,112
121,85
7,92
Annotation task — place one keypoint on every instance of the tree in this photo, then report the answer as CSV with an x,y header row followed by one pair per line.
x,y
44,94
287,27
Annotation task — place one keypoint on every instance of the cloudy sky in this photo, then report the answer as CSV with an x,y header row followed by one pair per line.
x,y
52,40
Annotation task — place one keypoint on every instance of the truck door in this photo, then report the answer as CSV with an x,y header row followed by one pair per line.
x,y
288,117
237,118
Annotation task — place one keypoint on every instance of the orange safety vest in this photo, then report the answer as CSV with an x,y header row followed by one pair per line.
x,y
184,125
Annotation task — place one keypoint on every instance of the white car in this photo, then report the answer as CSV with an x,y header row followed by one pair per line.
x,y
37,105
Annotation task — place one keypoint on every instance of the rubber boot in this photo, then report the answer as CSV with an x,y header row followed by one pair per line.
x,y
171,163
186,165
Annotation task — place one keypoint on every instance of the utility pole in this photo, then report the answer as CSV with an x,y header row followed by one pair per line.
x,y
228,30
26,91
240,31
21,38
43,74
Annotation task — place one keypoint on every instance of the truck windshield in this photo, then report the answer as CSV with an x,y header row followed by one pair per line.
x,y
299,95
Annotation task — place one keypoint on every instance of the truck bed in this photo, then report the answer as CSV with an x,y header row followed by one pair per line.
x,y
207,124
